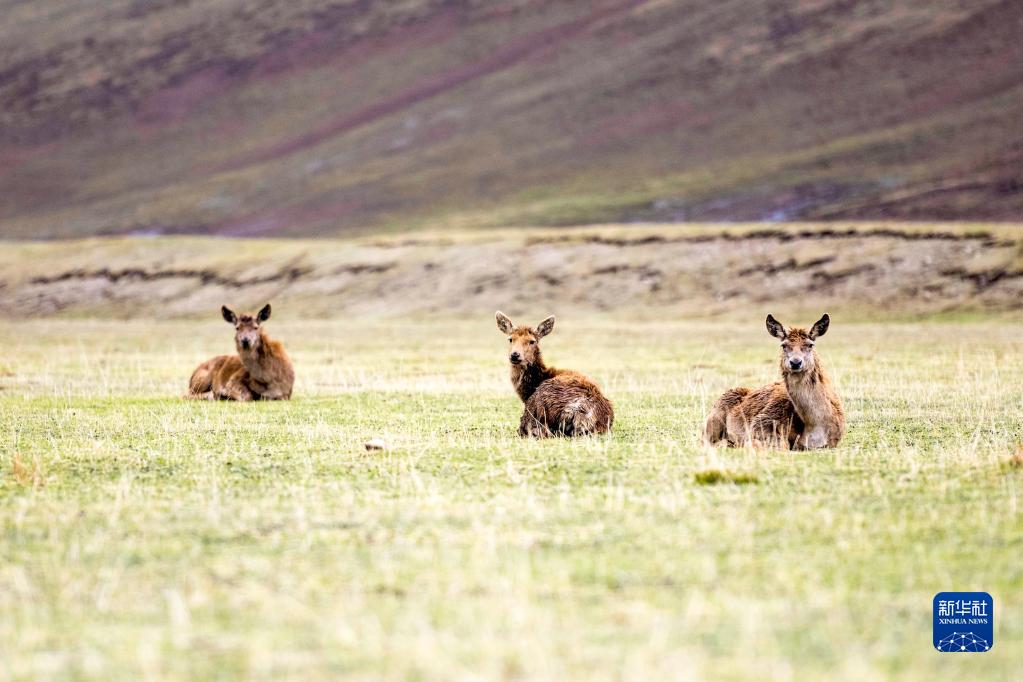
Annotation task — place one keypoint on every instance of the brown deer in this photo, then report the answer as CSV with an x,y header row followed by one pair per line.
x,y
261,370
800,412
558,402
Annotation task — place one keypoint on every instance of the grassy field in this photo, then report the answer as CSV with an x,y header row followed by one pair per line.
x,y
146,536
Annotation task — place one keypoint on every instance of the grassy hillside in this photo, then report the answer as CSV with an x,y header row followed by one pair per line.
x,y
142,536
259,118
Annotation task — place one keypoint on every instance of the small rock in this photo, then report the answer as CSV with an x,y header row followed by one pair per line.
x,y
376,444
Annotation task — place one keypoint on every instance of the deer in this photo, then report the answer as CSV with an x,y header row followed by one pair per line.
x,y
261,369
800,412
558,402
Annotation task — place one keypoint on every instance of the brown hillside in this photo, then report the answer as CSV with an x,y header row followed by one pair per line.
x,y
258,118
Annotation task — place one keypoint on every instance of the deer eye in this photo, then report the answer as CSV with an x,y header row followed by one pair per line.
x,y
532,342
509,339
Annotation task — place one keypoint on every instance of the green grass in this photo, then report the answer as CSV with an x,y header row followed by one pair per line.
x,y
146,536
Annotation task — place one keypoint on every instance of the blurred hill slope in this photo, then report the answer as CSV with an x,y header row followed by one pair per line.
x,y
259,118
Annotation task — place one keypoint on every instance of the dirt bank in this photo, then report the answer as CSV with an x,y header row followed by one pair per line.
x,y
706,270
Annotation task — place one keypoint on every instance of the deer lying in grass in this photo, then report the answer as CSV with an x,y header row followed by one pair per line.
x,y
261,370
800,412
558,402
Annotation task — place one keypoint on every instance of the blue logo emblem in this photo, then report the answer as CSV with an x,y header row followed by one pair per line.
x,y
964,622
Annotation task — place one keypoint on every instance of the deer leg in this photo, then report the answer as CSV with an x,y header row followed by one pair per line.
x,y
201,381
271,394
524,423
716,430
814,438
531,426
771,434
738,431
236,388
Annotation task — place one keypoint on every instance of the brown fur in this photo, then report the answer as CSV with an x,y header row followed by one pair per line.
x,y
558,402
802,411
261,370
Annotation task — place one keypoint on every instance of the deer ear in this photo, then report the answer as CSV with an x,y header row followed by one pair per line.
x,y
776,328
820,327
228,314
264,313
545,327
504,323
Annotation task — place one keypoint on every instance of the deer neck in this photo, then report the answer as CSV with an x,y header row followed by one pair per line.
x,y
810,393
258,359
527,378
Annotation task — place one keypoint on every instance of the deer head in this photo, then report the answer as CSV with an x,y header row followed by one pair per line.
x,y
524,342
797,344
248,336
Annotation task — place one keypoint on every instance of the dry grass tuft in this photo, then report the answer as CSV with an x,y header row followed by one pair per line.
x,y
28,476
1016,460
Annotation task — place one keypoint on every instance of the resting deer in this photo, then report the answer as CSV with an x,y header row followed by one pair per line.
x,y
558,402
801,412
261,370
